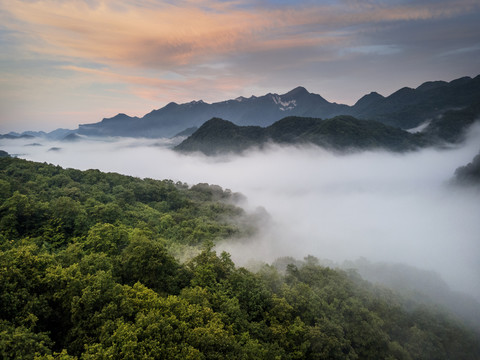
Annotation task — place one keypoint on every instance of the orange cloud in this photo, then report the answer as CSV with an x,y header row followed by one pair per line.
x,y
164,35
159,89
197,39
116,77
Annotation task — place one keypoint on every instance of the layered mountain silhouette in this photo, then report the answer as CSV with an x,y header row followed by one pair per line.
x,y
58,134
405,109
339,133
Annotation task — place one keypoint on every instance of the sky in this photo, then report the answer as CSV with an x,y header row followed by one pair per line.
x,y
70,62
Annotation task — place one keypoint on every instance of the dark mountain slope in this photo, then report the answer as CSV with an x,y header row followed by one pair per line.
x,y
186,132
344,132
291,128
451,126
469,174
221,136
340,133
407,107
368,101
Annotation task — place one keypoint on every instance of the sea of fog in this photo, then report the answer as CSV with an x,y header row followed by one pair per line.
x,y
375,204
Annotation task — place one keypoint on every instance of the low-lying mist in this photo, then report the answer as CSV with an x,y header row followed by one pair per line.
x,y
375,204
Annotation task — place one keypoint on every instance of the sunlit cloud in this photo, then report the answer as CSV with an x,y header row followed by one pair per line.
x,y
163,35
166,51
158,88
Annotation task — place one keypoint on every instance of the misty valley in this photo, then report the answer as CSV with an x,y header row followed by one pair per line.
x,y
311,230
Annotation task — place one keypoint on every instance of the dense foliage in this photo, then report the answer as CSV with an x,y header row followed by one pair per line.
x,y
54,207
86,272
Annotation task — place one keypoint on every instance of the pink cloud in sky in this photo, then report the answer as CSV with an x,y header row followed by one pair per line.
x,y
165,51
169,36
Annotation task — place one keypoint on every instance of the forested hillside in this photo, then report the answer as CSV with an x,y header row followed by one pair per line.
x,y
87,272
341,133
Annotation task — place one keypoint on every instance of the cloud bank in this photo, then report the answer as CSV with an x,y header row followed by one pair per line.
x,y
378,205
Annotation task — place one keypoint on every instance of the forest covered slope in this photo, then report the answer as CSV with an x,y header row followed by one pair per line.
x,y
87,272
341,133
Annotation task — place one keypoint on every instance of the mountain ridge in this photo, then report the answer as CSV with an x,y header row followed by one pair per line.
x,y
341,133
405,108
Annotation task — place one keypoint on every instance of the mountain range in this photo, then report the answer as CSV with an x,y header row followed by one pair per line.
x,y
405,109
341,133
218,136
58,134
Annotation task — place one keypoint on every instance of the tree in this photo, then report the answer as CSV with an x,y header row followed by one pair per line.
x,y
106,238
147,261
20,343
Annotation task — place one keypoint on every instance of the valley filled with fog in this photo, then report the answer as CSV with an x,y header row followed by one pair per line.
x,y
375,204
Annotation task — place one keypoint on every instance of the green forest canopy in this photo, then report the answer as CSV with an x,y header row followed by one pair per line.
x,y
87,272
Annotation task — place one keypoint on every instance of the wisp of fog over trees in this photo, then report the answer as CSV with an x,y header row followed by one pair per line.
x,y
374,204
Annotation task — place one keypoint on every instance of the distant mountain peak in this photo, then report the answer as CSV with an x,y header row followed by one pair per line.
x,y
119,116
403,94
195,102
430,85
171,104
369,99
217,120
298,91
